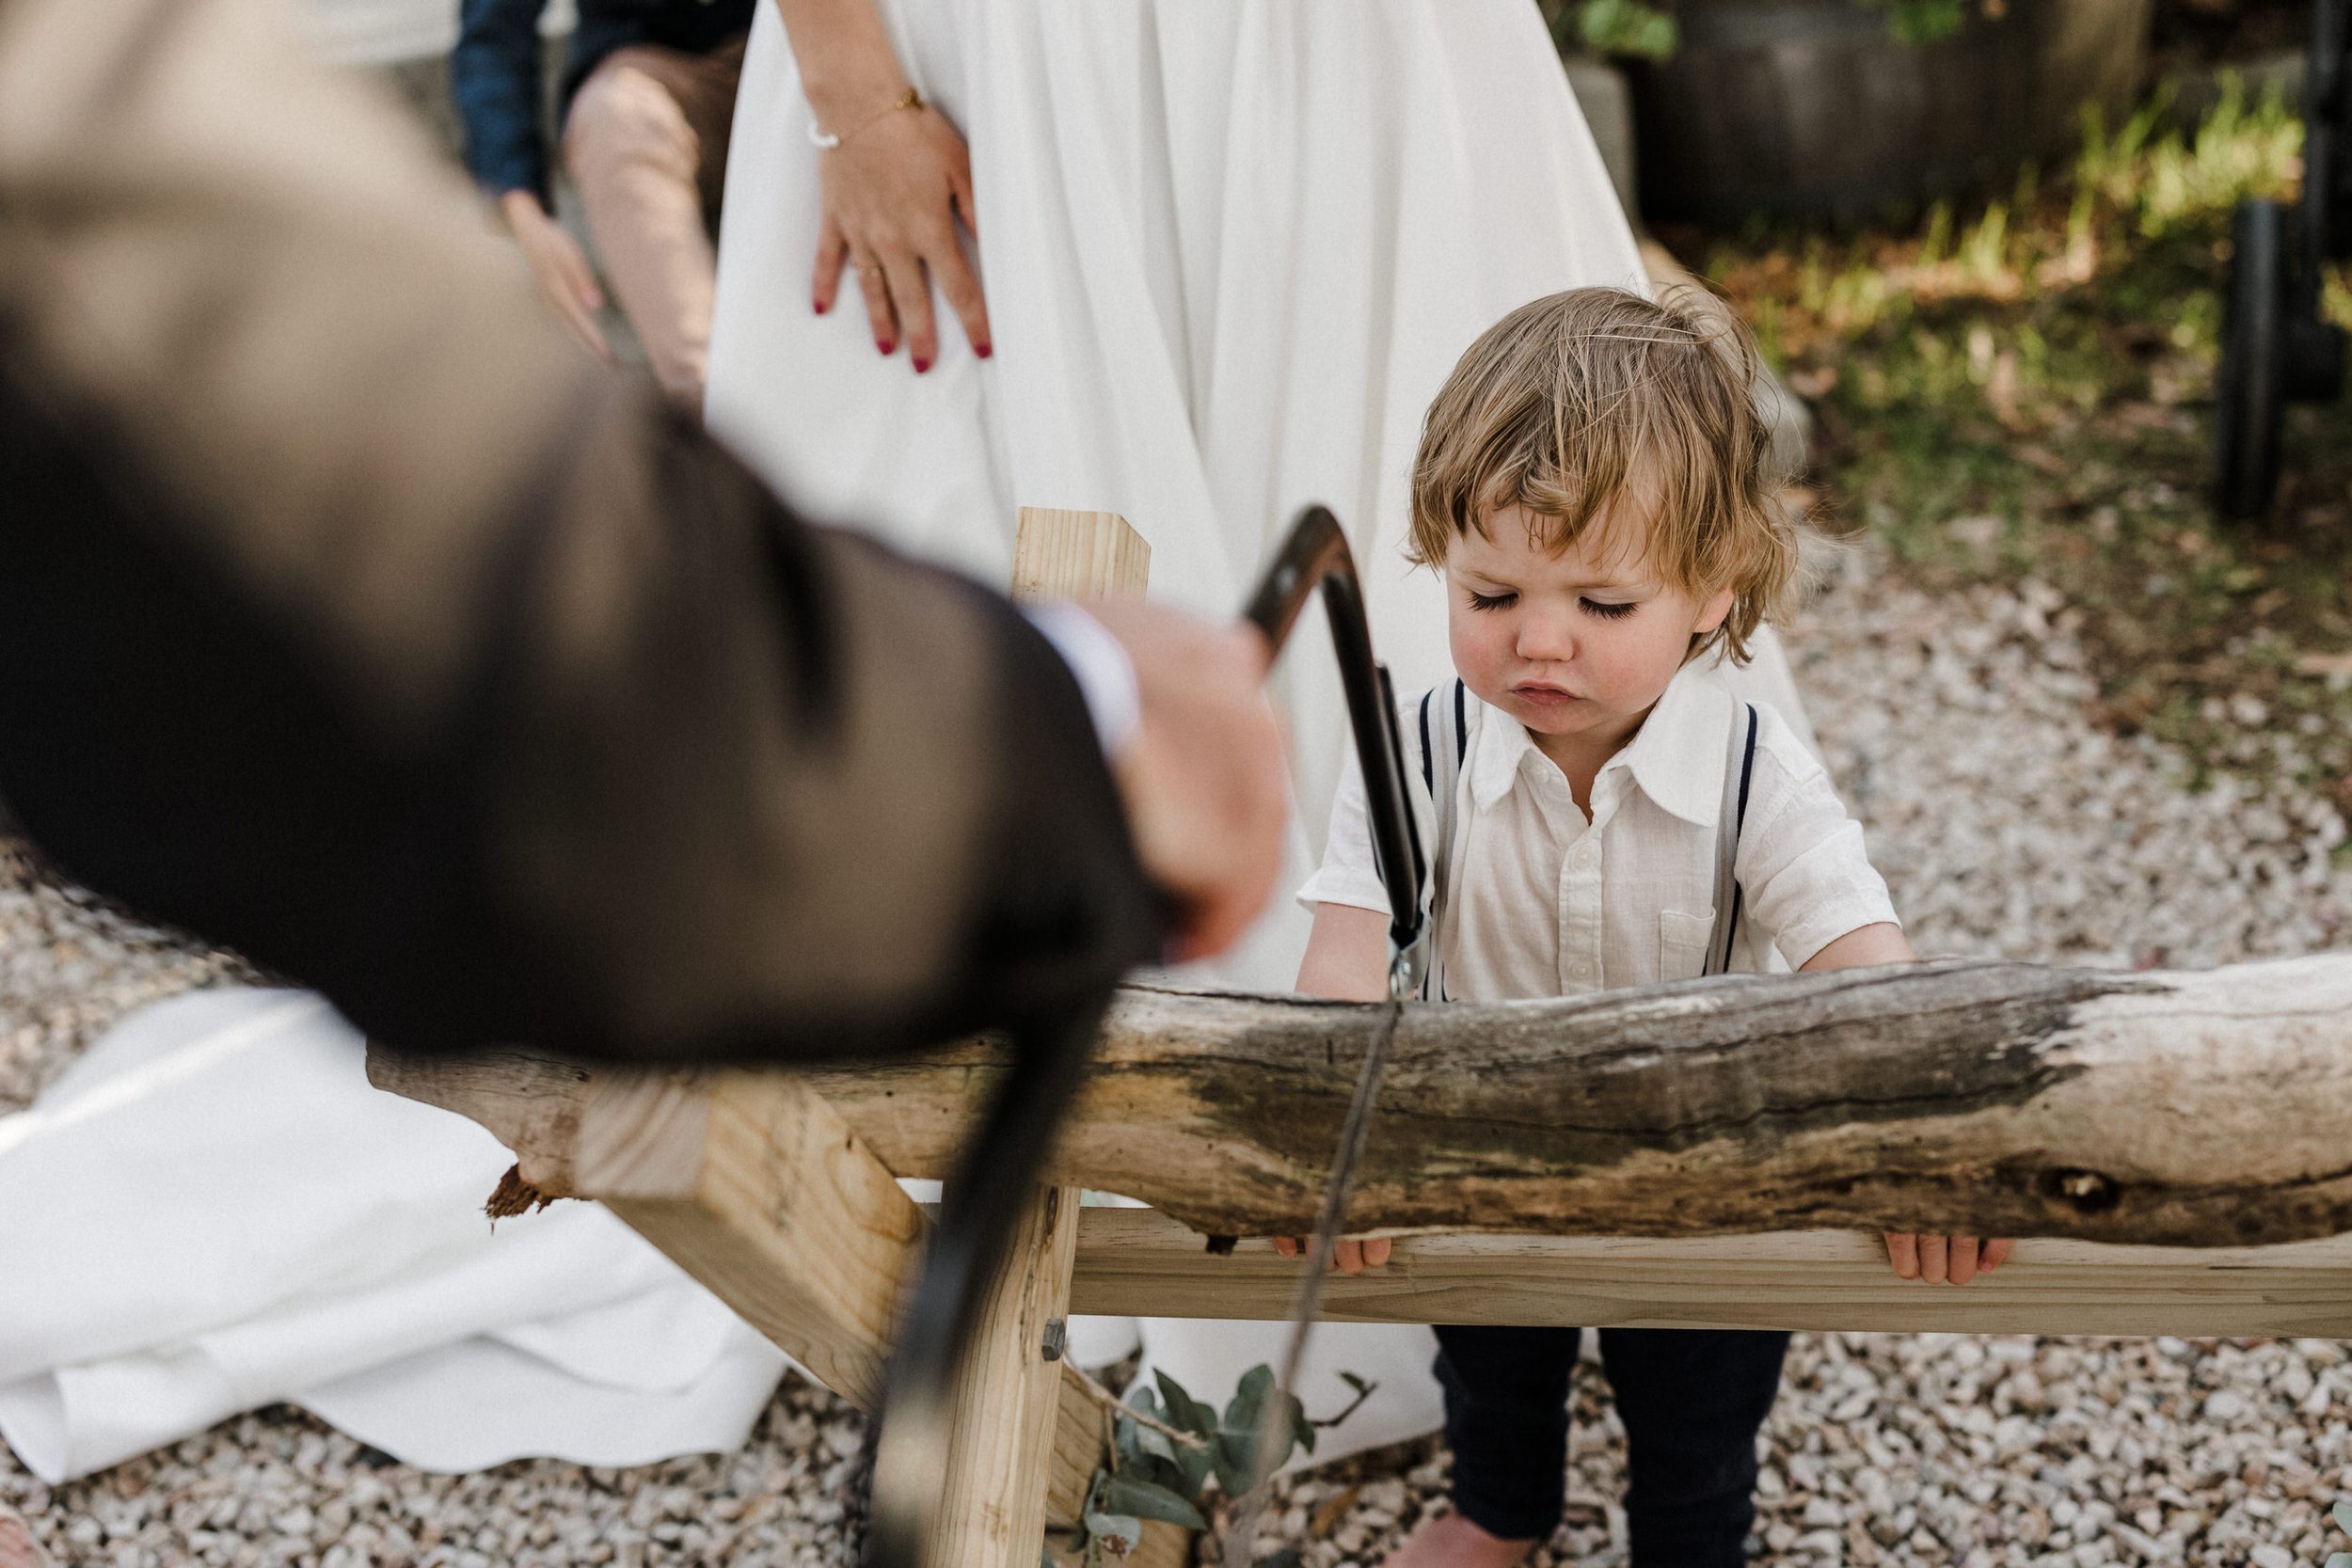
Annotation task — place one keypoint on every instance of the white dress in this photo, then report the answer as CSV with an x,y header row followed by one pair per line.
x,y
1231,249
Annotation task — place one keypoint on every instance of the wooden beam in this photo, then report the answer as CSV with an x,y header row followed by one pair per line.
x,y
1061,554
756,1188
2203,1109
1138,1261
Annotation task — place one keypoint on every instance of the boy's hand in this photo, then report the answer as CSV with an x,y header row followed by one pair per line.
x,y
1349,1256
1938,1259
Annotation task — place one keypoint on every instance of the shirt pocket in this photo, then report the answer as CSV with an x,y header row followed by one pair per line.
x,y
1682,940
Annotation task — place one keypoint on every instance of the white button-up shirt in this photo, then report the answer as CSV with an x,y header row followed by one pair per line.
x,y
1542,901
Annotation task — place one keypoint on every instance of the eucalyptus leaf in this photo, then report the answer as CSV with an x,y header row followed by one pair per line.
x,y
1249,1402
2342,1511
1182,1410
1118,1533
1124,1495
2340,1560
1302,1430
1230,1456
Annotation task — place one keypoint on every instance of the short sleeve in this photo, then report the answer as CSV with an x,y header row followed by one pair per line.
x,y
1348,874
1804,876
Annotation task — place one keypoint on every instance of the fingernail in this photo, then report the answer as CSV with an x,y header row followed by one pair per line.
x,y
885,345
818,306
921,364
984,350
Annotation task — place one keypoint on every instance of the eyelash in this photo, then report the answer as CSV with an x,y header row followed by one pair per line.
x,y
1591,606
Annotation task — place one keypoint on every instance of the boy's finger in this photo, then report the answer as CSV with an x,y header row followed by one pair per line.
x,y
1902,1250
1963,1262
1377,1252
1286,1245
1348,1258
1934,1259
1996,1253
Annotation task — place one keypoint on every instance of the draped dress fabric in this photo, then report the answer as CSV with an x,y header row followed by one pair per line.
x,y
1230,250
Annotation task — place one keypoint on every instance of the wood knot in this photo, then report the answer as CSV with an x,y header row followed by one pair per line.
x,y
2086,1192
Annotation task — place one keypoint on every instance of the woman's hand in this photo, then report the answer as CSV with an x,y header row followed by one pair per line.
x,y
893,192
565,279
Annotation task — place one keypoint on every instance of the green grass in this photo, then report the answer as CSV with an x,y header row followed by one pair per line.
x,y
2023,389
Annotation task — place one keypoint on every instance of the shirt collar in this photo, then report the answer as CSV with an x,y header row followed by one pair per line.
x,y
1676,757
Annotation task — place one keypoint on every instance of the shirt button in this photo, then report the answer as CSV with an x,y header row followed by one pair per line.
x,y
1586,854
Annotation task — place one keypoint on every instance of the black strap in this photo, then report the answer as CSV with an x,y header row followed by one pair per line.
x,y
1747,771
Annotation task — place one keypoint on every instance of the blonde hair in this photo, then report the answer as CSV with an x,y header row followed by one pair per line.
x,y
1576,400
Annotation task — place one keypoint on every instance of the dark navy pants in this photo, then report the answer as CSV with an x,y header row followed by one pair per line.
x,y
1691,1402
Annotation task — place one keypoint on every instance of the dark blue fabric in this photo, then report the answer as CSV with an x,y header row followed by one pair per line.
x,y
494,73
1691,1402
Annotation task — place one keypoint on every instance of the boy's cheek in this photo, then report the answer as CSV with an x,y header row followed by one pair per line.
x,y
1480,652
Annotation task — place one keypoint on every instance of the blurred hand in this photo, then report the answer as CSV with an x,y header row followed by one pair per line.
x,y
565,278
891,193
1348,1255
1202,777
1939,1259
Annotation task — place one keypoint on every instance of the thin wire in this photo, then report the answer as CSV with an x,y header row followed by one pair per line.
x,y
1274,1416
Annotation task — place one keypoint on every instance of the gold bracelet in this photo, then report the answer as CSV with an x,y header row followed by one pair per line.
x,y
910,98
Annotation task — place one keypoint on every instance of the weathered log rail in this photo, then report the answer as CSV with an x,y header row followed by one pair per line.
x,y
1626,1138
2189,1109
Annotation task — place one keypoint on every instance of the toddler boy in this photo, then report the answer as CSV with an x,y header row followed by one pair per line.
x,y
1592,484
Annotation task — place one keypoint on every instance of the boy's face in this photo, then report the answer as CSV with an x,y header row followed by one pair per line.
x,y
1577,645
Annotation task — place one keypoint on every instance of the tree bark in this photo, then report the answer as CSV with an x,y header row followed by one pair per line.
x,y
2197,1108
2192,1109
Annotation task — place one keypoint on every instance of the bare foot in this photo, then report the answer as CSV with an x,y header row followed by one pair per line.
x,y
17,1546
1454,1542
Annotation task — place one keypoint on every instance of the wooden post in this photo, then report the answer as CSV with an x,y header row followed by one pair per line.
x,y
993,1506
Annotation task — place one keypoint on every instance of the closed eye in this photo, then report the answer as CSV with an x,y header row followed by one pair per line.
x,y
1492,601
1608,611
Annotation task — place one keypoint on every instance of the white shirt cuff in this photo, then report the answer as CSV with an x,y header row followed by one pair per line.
x,y
1105,675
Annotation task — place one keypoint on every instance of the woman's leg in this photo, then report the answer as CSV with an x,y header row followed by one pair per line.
x,y
1691,1402
645,140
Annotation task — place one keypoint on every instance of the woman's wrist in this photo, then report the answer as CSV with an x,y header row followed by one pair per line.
x,y
847,93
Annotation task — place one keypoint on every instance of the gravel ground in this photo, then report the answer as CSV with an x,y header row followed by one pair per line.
x,y
2008,824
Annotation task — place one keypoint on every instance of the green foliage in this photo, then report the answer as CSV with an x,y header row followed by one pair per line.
x,y
1643,30
1153,1474
2020,392
1625,27
1922,21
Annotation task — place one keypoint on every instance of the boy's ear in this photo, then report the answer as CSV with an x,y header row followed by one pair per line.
x,y
1713,610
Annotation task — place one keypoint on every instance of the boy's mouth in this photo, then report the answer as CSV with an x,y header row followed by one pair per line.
x,y
1541,695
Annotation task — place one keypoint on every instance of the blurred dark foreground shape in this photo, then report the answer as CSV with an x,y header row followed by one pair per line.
x,y
355,619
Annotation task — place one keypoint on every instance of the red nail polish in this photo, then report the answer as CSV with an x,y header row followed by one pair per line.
x,y
921,364
885,345
984,350
818,306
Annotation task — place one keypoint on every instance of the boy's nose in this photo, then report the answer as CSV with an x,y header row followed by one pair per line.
x,y
1546,639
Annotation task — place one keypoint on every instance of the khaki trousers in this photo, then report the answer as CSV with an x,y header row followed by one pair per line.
x,y
647,144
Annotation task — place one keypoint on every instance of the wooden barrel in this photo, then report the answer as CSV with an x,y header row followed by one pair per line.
x,y
1809,108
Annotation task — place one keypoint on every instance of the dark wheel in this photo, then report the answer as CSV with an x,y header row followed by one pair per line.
x,y
2248,390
